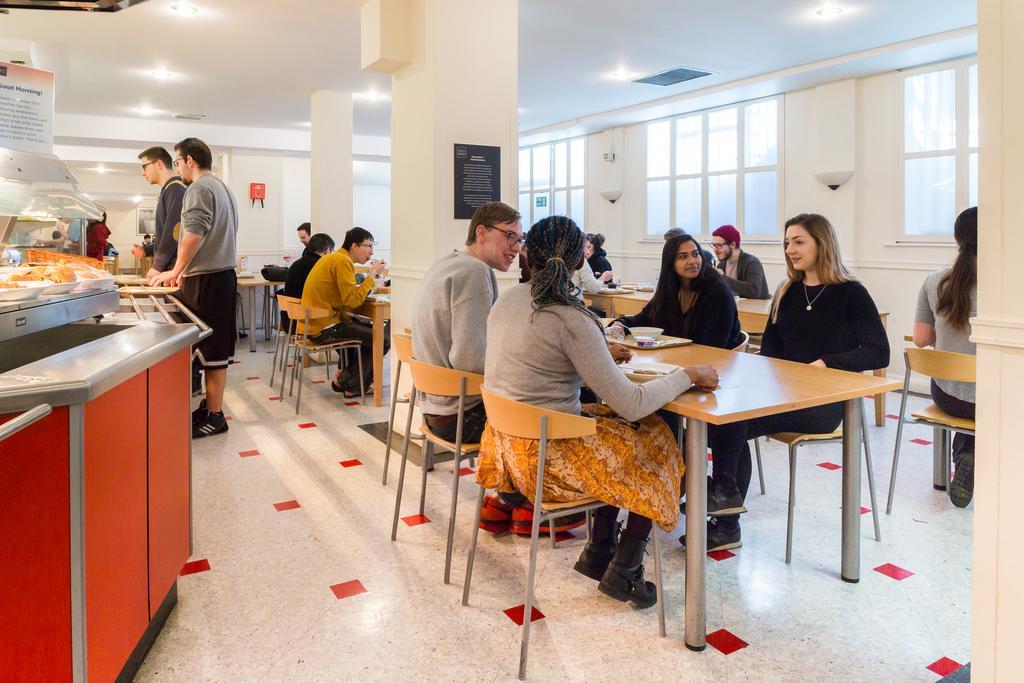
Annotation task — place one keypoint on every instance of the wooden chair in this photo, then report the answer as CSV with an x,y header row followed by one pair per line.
x,y
530,422
947,365
283,341
743,345
402,345
621,306
439,381
303,345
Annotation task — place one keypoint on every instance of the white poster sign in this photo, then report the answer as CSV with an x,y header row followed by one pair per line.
x,y
26,108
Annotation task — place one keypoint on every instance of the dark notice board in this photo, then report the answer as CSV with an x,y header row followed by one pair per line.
x,y
477,177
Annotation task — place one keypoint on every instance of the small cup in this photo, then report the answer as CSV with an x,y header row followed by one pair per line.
x,y
644,341
614,333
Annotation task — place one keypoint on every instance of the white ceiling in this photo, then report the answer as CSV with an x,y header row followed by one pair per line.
x,y
255,63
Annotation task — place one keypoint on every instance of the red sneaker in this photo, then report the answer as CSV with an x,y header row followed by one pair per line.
x,y
495,516
522,521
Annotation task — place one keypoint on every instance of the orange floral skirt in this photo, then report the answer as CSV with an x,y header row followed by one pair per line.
x,y
636,469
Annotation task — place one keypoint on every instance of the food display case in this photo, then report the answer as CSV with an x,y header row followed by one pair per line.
x,y
95,449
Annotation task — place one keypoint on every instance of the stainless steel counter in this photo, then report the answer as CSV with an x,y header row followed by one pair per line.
x,y
80,373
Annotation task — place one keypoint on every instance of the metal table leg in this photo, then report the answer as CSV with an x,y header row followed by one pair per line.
x,y
267,311
851,491
252,319
940,471
696,453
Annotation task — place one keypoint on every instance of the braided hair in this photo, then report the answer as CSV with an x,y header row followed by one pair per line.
x,y
554,247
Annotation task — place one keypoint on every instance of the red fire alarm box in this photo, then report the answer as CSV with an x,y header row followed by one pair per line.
x,y
257,193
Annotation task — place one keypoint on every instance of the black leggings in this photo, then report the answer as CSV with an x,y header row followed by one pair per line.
x,y
962,443
731,450
637,526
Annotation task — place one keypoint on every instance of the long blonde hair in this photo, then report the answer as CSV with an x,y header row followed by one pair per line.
x,y
830,266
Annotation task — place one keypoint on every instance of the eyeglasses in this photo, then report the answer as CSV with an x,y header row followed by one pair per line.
x,y
718,245
512,238
370,245
178,159
148,163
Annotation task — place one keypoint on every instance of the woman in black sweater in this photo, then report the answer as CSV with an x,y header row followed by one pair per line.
x,y
820,316
692,299
597,257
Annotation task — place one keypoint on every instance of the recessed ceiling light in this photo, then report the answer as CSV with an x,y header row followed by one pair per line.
x,y
145,110
137,198
161,74
622,75
306,124
184,9
830,11
99,169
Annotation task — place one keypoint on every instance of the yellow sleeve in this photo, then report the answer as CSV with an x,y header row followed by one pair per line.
x,y
352,295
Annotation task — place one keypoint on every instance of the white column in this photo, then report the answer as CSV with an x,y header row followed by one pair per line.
x,y
998,606
331,162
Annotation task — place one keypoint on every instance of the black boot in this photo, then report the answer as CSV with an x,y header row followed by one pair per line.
x,y
624,578
598,554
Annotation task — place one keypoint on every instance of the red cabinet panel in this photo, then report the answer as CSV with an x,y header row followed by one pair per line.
x,y
35,574
169,473
116,594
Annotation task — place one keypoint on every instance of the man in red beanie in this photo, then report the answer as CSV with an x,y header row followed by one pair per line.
x,y
742,271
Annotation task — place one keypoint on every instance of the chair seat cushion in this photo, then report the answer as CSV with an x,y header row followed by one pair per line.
x,y
790,438
932,414
431,436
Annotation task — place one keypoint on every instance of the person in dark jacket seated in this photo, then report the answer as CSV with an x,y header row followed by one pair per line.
x,y
597,257
743,271
318,245
821,316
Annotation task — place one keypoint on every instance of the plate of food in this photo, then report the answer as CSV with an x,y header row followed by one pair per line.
x,y
64,279
21,290
645,372
617,290
91,278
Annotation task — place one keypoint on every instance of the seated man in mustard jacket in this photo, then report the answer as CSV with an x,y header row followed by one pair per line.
x,y
332,285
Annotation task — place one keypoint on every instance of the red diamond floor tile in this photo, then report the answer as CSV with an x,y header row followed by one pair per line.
x,y
287,505
892,417
725,642
921,442
829,466
466,470
944,666
353,403
354,462
719,555
307,425
194,567
893,572
864,510
319,381
516,614
227,418
248,454
273,398
347,589
416,520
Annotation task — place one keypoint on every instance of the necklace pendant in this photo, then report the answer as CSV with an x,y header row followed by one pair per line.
x,y
808,307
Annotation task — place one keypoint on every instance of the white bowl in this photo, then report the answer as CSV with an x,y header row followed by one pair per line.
x,y
27,291
646,332
645,372
60,287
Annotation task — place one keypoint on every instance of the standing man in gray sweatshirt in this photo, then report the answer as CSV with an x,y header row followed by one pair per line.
x,y
205,271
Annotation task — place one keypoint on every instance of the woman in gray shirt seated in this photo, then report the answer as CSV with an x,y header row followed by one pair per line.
x,y
945,305
542,345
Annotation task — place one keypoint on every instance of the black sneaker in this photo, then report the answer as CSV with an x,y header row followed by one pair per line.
x,y
719,538
961,489
200,413
213,423
722,502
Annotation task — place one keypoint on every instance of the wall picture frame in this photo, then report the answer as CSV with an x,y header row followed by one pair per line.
x,y
145,218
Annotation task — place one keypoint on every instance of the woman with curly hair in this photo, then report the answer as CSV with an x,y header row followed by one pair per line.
x,y
542,346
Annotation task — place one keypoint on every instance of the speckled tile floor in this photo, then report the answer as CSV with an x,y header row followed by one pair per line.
x,y
266,611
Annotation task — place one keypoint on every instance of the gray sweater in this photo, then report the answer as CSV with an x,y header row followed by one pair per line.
x,y
543,359
947,338
210,211
450,321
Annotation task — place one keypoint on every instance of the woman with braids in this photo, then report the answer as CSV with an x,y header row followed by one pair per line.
x,y
821,316
948,299
542,345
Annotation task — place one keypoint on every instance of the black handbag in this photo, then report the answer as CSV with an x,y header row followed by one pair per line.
x,y
272,273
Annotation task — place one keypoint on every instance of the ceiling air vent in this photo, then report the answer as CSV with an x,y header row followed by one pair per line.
x,y
71,5
673,76
188,117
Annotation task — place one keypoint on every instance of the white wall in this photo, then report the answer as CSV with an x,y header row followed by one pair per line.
x,y
865,211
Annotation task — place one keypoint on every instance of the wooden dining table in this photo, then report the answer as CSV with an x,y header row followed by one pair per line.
x,y
250,284
379,313
754,386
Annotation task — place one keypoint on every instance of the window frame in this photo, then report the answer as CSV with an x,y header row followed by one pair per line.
x,y
552,186
961,151
740,171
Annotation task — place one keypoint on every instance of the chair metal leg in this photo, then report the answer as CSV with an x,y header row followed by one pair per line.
x,y
590,523
531,574
472,546
871,474
657,581
899,438
401,470
295,370
456,467
362,389
273,365
302,370
428,464
391,425
792,504
760,469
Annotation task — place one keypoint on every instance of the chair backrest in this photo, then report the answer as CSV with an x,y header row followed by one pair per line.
x,y
625,306
283,299
948,365
742,346
440,381
523,420
402,344
297,311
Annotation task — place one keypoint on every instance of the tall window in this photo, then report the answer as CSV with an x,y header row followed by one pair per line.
x,y
552,180
715,167
939,166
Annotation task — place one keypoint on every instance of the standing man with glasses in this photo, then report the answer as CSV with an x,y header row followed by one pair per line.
x,y
157,170
742,271
205,272
332,285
